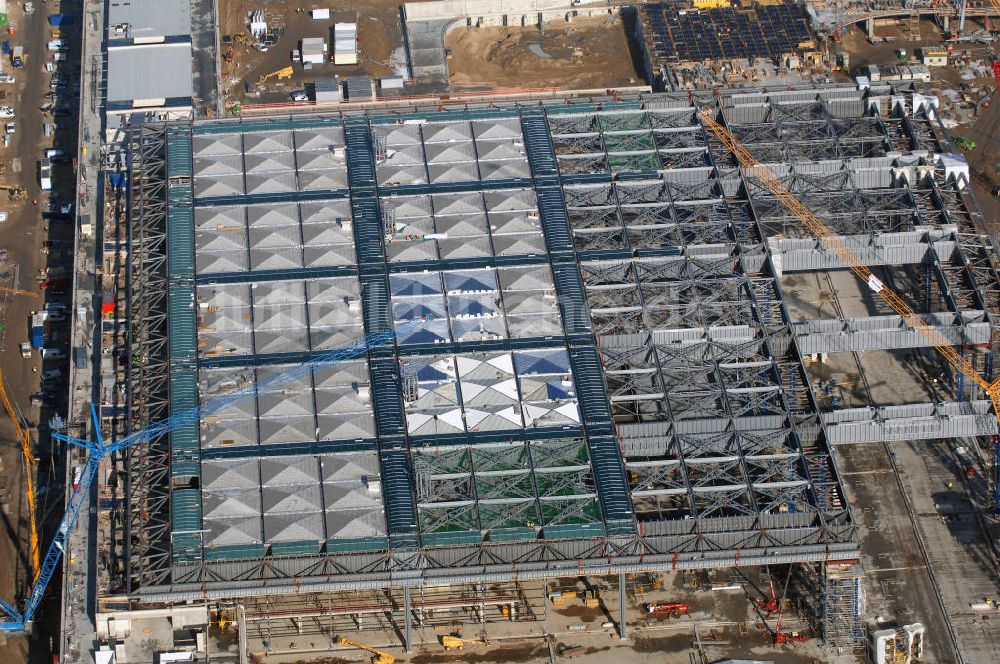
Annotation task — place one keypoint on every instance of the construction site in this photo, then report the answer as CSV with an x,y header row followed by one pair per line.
x,y
532,380
464,331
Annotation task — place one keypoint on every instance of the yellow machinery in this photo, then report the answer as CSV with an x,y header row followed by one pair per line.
x,y
16,193
18,291
29,463
378,656
281,74
456,643
450,642
851,260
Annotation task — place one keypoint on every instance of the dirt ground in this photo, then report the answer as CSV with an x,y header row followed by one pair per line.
x,y
984,162
379,35
587,53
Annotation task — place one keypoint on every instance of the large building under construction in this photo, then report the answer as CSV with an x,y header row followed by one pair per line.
x,y
581,357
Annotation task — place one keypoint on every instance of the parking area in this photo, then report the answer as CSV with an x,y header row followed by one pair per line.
x,y
38,101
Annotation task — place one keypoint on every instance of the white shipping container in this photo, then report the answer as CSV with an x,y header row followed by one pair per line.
x,y
321,14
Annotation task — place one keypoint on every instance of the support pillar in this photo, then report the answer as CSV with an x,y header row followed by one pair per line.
x,y
622,618
870,28
407,620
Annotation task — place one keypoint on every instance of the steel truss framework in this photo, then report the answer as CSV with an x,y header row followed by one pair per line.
x,y
147,367
726,457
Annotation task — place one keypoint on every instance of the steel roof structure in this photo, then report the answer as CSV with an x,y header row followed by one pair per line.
x,y
607,377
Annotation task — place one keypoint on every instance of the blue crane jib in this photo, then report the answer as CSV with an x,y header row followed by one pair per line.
x,y
20,621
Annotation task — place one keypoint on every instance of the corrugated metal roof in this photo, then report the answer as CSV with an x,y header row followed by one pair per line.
x,y
156,71
148,19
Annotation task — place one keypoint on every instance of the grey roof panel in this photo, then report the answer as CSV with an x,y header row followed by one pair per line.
x,y
148,19
157,71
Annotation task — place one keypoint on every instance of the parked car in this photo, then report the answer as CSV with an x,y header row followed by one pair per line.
x,y
43,398
6,111
53,354
10,128
25,350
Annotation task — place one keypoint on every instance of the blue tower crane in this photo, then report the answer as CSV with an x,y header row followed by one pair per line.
x,y
19,621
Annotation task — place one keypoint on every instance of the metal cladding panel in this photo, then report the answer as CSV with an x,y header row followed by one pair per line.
x,y
368,231
541,155
612,486
360,157
555,221
572,298
178,152
397,480
388,397
375,303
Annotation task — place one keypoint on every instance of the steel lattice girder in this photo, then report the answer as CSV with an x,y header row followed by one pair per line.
x,y
573,123
594,218
690,158
675,140
148,478
578,144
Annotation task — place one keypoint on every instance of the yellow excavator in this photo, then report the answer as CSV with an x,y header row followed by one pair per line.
x,y
280,74
454,642
378,656
16,193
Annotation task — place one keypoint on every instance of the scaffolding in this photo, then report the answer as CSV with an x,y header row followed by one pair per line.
x,y
842,605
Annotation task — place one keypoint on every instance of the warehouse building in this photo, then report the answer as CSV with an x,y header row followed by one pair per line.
x,y
149,59
579,357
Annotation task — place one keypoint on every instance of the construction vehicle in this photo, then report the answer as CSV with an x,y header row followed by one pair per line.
x,y
769,605
29,483
452,642
16,193
787,637
964,143
280,74
835,246
378,656
20,621
670,609
457,643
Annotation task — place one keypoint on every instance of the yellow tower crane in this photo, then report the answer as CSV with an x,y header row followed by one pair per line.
x,y
851,260
29,463
378,656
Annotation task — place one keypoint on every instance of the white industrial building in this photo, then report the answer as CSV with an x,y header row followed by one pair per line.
x,y
313,51
149,59
345,44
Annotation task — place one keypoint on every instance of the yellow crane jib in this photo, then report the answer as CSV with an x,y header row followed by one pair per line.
x,y
378,656
283,73
851,260
29,483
